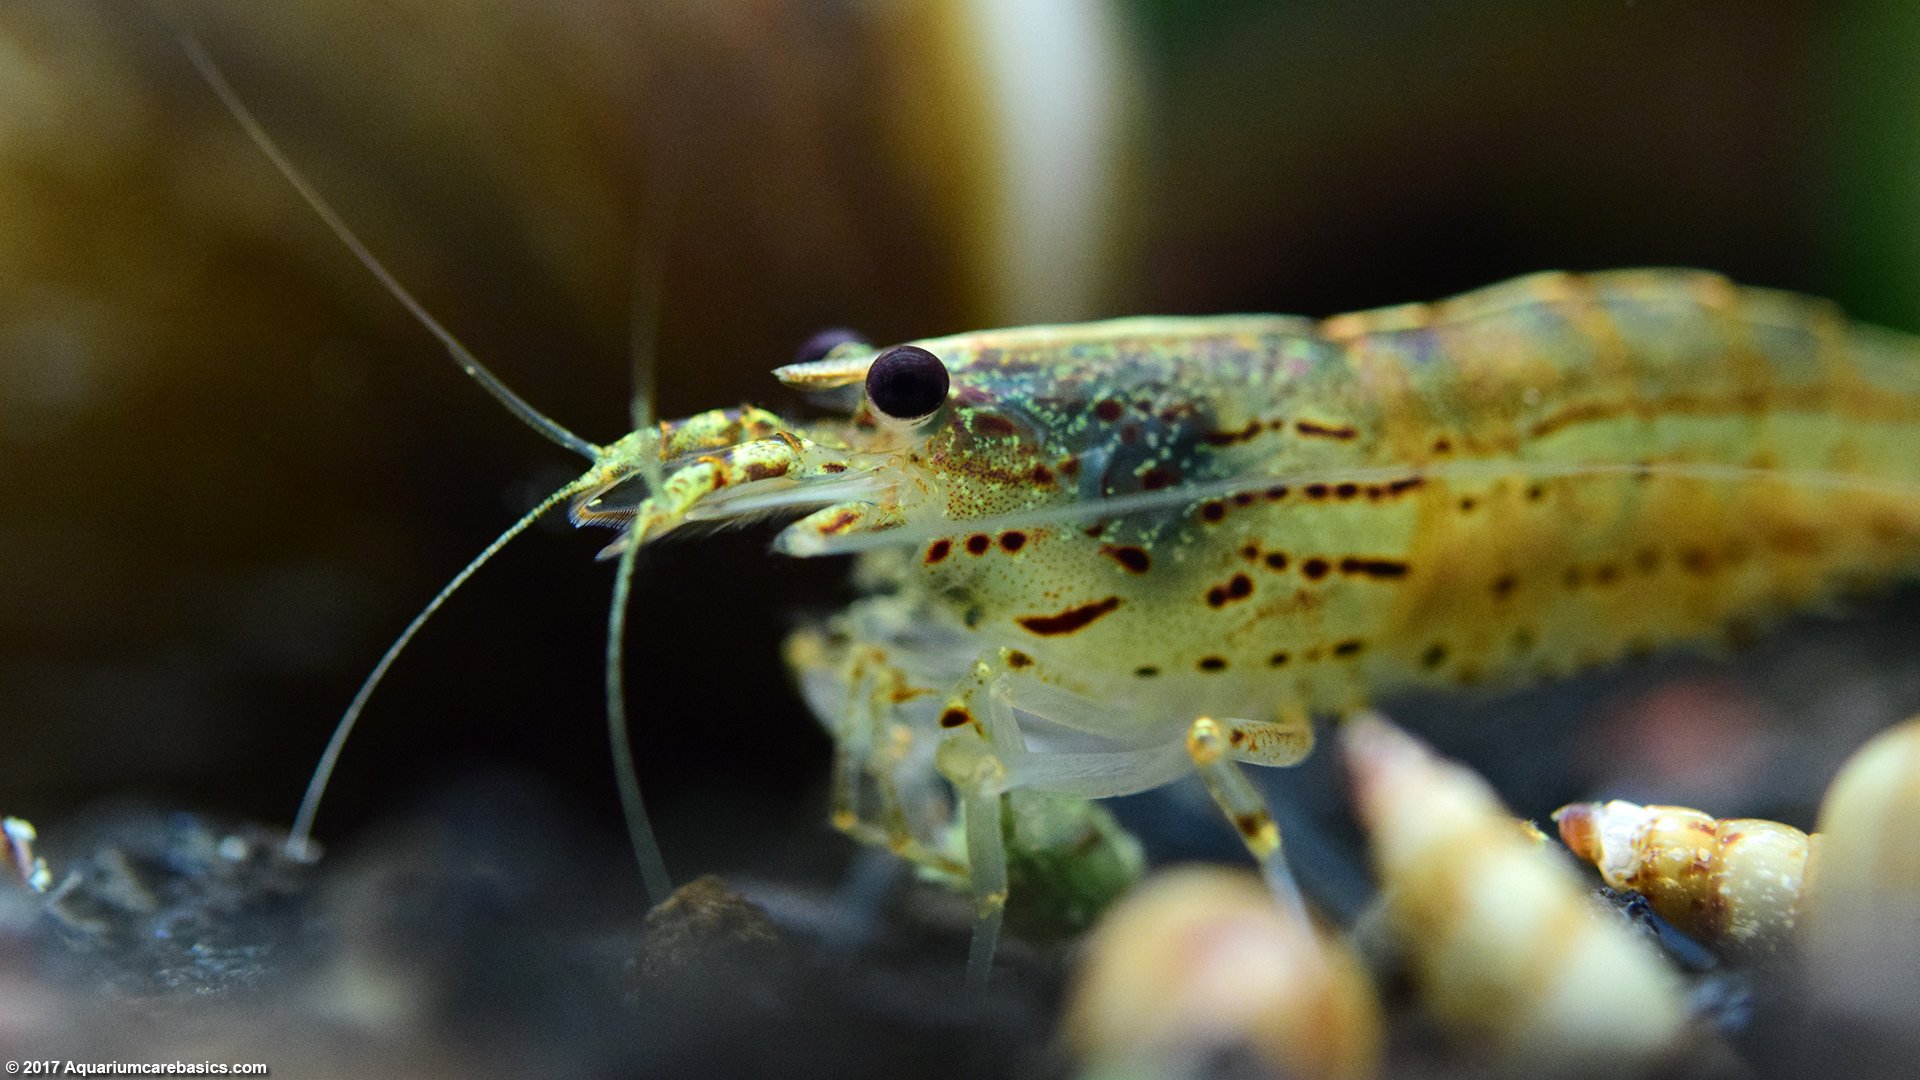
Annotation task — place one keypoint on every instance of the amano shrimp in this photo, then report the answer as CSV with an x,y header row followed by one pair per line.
x,y
1098,557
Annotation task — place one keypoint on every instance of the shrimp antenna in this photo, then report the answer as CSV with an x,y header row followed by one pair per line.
x,y
646,846
643,337
462,357
652,249
300,839
649,272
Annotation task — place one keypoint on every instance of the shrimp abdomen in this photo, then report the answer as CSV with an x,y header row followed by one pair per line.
x,y
1633,459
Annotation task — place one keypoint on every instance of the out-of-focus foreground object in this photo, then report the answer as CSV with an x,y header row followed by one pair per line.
x,y
1505,947
1199,962
1862,937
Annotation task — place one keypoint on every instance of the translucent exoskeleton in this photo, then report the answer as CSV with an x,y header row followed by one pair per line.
x,y
1099,557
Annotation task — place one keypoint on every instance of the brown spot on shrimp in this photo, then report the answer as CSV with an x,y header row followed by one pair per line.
x,y
1379,569
1070,620
978,543
1315,429
1134,559
938,551
1239,587
765,470
987,423
1228,438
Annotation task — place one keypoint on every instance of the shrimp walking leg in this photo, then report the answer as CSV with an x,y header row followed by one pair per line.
x,y
873,751
1211,744
979,779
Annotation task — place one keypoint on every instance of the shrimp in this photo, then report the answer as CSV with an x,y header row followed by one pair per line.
x,y
1122,551
1096,558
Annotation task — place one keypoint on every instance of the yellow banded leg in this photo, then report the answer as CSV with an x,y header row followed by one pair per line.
x,y
979,779
852,741
872,747
1211,745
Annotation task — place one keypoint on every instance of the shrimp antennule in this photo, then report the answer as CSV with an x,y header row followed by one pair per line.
x,y
300,839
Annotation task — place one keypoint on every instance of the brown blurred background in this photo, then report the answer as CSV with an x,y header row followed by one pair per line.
x,y
232,467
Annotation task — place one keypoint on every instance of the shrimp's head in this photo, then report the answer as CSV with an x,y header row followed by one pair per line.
x,y
928,439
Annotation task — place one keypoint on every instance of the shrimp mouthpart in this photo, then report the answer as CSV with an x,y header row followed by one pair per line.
x,y
641,486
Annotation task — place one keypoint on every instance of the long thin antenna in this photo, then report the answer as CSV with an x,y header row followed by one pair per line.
x,y
300,840
653,249
643,337
646,846
649,281
462,357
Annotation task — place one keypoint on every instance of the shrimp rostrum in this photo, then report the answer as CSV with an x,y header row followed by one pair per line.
x,y
1097,557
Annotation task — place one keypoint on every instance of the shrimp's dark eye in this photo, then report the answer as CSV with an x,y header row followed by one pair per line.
x,y
907,382
819,345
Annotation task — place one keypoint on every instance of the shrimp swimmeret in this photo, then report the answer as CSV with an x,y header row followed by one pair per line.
x,y
1097,557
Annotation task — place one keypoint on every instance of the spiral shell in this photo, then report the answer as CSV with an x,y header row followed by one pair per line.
x,y
1504,944
1861,942
1200,959
1734,884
